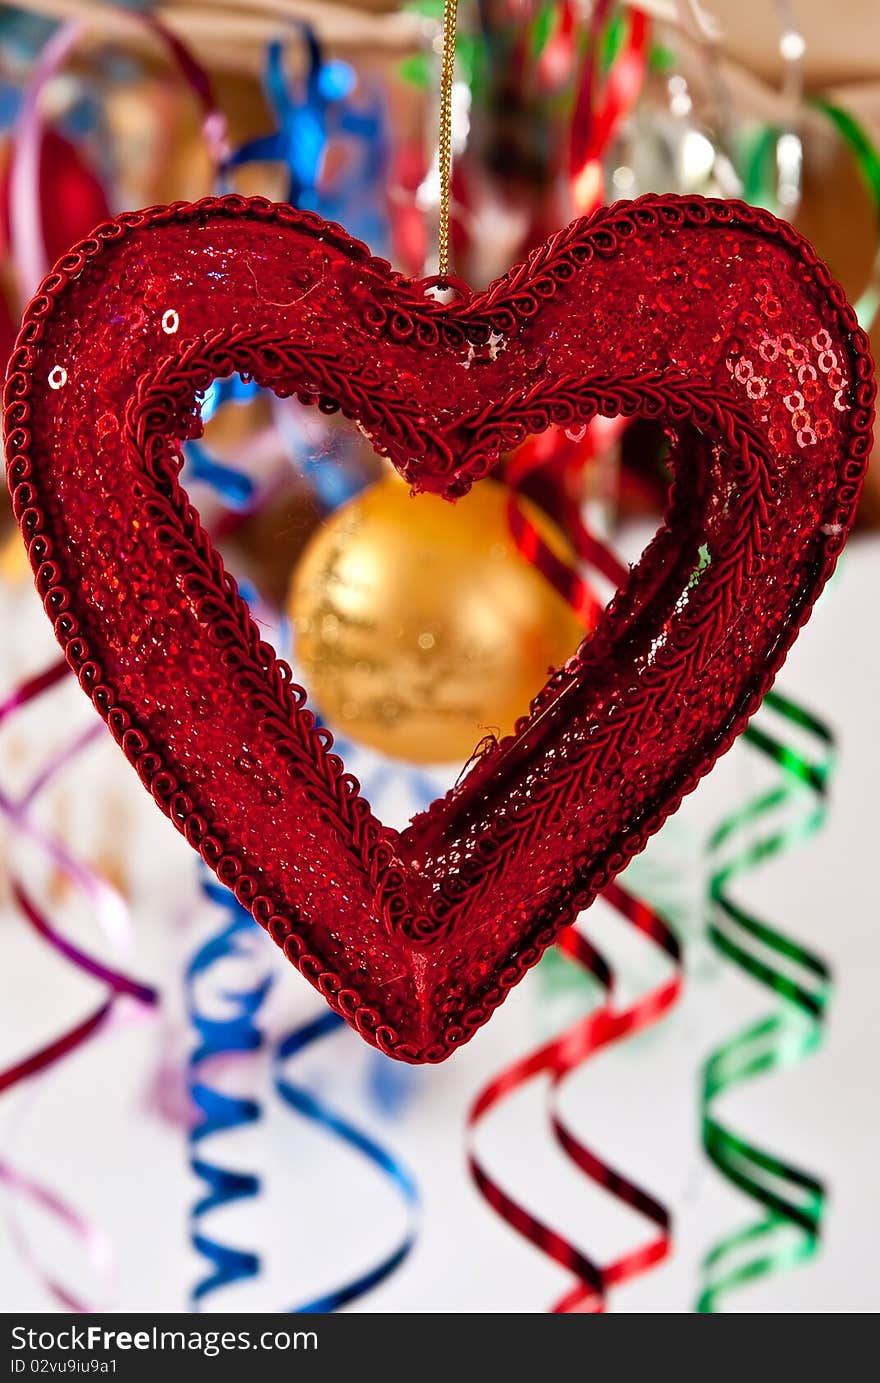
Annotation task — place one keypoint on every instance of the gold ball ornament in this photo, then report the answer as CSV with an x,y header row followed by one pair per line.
x,y
419,628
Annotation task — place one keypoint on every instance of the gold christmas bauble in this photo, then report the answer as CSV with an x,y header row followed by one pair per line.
x,y
419,628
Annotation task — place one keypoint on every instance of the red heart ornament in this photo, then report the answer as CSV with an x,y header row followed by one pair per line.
x,y
711,316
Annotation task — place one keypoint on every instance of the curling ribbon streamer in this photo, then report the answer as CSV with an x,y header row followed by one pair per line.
x,y
592,129
310,1106
232,485
598,116
237,1034
554,39
26,233
304,158
558,1059
793,1199
867,157
583,1039
561,458
112,916
596,120
300,143
97,1246
222,1039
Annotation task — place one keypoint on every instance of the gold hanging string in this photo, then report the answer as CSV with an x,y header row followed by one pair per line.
x,y
447,71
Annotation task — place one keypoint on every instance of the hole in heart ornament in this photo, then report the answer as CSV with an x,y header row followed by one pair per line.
x,y
710,316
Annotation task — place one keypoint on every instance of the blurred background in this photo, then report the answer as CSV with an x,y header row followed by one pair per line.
x,y
183,1126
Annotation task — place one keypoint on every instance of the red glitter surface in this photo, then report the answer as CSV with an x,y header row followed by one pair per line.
x,y
709,316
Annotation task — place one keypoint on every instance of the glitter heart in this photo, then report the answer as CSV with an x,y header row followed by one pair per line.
x,y
709,316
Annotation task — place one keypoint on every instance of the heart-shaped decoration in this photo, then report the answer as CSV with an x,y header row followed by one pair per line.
x,y
711,316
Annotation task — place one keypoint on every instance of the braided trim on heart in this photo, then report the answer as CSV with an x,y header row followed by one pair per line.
x,y
520,293
258,672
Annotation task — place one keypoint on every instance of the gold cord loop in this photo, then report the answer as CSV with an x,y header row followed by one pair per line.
x,y
447,72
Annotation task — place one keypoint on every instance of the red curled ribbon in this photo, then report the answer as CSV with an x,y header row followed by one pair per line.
x,y
559,458
558,1059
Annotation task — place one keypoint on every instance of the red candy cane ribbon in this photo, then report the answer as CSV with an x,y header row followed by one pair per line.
x,y
597,118
599,114
558,461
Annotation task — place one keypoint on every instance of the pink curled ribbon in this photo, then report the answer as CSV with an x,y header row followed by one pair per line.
x,y
112,917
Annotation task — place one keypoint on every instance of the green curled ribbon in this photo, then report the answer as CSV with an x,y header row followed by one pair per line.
x,y
793,1199
758,189
867,157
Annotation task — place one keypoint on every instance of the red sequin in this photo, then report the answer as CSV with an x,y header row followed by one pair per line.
x,y
710,316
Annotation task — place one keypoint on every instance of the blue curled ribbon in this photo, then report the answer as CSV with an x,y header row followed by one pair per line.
x,y
221,1113
233,486
304,1102
234,1034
